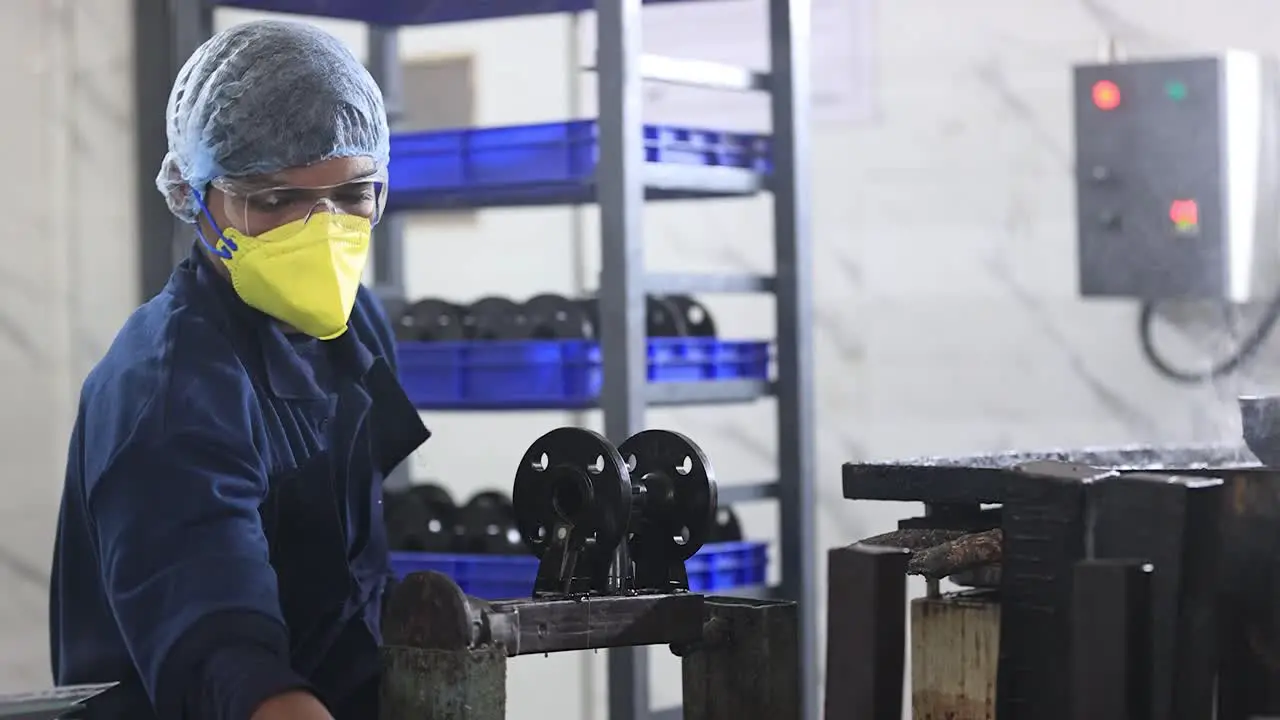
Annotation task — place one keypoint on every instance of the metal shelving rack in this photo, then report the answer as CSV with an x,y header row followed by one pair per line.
x,y
167,31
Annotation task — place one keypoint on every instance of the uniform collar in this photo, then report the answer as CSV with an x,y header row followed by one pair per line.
x,y
289,377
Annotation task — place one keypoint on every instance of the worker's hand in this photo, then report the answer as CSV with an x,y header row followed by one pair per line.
x,y
295,705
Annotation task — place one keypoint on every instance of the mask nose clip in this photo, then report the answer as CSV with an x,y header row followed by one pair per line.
x,y
322,205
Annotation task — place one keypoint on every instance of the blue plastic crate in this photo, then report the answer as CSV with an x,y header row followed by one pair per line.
x,y
558,373
717,567
418,12
546,163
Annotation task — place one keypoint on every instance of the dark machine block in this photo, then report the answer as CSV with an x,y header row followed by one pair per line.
x,y
866,632
753,672
1174,523
1044,529
1218,542
1111,640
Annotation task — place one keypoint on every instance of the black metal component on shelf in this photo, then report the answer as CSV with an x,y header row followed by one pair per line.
x,y
555,317
1111,640
675,506
579,499
573,498
495,318
866,631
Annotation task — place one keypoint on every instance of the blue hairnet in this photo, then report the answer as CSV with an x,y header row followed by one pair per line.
x,y
262,97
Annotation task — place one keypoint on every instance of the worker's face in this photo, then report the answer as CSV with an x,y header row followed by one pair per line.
x,y
255,205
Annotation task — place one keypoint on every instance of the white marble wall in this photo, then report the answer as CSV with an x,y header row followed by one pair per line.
x,y
947,317
67,273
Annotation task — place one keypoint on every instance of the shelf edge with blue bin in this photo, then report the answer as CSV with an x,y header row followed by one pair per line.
x,y
390,13
555,164
561,374
716,567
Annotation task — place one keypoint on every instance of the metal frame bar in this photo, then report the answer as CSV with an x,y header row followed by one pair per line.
x,y
388,247
388,242
622,292
789,30
165,34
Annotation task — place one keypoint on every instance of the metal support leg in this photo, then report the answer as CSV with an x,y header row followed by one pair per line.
x,y
749,666
443,684
1111,640
433,668
866,632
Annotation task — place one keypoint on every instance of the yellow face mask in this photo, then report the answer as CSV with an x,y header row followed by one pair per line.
x,y
305,273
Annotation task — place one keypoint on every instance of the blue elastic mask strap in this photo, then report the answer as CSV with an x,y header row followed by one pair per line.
x,y
224,253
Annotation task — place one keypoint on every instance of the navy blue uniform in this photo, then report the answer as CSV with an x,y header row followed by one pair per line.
x,y
220,539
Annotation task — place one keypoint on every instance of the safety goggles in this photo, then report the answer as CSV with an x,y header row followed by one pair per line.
x,y
254,208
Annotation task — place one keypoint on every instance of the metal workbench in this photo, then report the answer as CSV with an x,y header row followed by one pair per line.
x,y
167,31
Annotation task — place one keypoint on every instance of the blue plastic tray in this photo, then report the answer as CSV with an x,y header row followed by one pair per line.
x,y
500,374
715,568
417,12
553,163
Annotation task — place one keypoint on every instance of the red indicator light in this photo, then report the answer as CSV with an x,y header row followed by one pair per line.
x,y
1185,215
1106,95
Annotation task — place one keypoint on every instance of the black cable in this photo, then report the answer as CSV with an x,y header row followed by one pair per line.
x,y
1243,353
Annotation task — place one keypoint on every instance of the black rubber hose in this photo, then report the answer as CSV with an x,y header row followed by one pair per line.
x,y
1227,366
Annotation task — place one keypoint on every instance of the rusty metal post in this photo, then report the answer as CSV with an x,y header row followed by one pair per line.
x,y
423,684
955,643
433,668
866,632
1111,640
748,665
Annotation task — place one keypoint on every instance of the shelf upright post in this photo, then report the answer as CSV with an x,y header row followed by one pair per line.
x,y
789,30
620,188
388,241
388,238
166,32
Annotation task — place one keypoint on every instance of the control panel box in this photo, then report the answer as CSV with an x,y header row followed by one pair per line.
x,y
1177,178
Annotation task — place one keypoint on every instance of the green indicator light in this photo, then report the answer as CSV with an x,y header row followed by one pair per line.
x,y
1175,90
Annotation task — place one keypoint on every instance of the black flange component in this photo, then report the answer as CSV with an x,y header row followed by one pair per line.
x,y
694,315
495,318
727,527
554,317
397,311
487,525
433,320
573,500
663,319
421,518
674,506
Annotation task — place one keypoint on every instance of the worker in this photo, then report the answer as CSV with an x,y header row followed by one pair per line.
x,y
220,550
